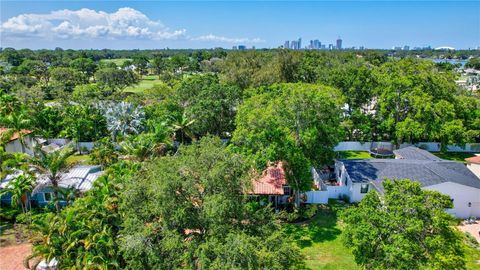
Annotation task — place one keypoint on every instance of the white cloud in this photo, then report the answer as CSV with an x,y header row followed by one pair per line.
x,y
86,24
212,37
91,25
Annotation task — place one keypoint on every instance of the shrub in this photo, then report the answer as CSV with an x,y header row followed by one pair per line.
x,y
8,213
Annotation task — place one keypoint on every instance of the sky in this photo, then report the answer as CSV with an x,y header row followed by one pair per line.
x,y
263,24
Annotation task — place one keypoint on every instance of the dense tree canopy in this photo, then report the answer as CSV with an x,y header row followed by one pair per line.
x,y
174,198
297,123
211,104
415,102
407,228
190,211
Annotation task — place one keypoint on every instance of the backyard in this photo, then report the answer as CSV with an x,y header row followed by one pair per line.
x,y
320,241
454,156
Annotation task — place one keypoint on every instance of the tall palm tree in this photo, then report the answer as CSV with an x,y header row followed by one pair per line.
x,y
51,167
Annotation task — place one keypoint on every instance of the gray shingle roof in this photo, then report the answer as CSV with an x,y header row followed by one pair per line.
x,y
427,172
412,152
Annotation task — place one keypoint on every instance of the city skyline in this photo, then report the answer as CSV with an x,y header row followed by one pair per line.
x,y
155,24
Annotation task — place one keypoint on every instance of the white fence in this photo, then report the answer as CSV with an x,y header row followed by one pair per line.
x,y
429,146
316,197
353,146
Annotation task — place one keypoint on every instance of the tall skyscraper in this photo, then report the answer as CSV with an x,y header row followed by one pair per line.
x,y
299,43
286,45
339,43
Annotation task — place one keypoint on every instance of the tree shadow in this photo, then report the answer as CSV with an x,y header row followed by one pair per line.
x,y
322,227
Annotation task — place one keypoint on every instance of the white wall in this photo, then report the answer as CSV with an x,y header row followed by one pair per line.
x,y
461,196
429,146
475,168
15,146
355,194
316,197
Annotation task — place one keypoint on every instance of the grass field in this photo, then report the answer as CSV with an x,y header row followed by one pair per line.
x,y
353,155
78,159
455,156
146,83
118,61
320,241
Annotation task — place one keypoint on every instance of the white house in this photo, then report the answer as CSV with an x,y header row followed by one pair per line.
x,y
473,164
354,178
16,144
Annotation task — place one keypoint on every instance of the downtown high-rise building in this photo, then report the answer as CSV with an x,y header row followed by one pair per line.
x,y
314,44
339,44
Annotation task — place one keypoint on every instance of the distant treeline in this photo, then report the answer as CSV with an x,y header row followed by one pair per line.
x,y
98,54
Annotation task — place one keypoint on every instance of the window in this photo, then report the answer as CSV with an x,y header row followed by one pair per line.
x,y
287,190
48,196
364,188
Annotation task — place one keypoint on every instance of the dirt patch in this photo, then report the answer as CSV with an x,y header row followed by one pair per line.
x,y
12,256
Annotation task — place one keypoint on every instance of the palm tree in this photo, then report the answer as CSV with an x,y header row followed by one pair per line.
x,y
17,123
11,162
18,189
182,126
123,118
51,167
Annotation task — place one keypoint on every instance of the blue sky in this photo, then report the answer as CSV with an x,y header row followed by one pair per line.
x,y
198,24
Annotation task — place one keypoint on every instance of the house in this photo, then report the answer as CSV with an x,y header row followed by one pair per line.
x,y
473,164
272,184
79,178
17,144
355,178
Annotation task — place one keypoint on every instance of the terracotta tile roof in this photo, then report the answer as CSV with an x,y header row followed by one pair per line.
x,y
15,135
475,159
271,182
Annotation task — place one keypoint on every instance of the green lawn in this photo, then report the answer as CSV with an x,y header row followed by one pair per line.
x,y
147,82
320,241
472,256
78,159
353,155
118,61
455,156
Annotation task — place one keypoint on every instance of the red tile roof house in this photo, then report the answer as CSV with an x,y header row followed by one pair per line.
x,y
15,143
272,184
473,164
